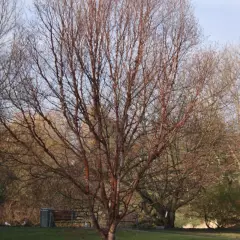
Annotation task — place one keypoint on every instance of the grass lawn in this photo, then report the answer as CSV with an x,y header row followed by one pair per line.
x,y
78,234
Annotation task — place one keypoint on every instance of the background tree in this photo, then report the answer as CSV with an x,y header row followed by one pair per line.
x,y
8,17
224,92
220,203
189,164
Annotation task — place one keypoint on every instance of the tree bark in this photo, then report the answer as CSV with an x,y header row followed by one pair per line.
x,y
111,236
170,220
112,232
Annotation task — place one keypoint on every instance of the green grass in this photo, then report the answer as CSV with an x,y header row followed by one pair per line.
x,y
78,234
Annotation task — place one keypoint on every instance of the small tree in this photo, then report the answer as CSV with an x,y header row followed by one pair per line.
x,y
219,204
123,77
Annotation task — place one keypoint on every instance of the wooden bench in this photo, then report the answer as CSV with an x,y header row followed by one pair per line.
x,y
63,215
129,220
70,217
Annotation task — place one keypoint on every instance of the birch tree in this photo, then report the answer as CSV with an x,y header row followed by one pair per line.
x,y
122,76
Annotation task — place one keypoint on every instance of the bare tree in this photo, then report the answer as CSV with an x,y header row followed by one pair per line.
x,y
231,101
8,17
8,22
120,78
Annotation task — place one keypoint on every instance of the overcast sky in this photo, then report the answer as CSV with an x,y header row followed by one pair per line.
x,y
219,19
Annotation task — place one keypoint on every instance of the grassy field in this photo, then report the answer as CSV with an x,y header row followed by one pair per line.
x,y
77,234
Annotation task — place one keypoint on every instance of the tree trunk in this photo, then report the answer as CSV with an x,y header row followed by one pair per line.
x,y
111,236
170,220
112,232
